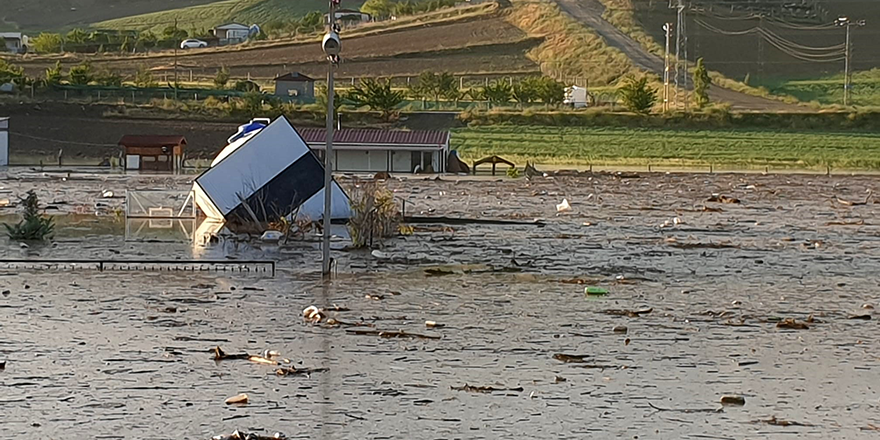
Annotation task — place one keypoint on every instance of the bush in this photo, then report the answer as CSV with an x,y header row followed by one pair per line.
x,y
33,226
47,43
701,84
246,86
497,92
54,75
222,78
81,74
11,73
376,94
109,78
637,96
374,215
144,78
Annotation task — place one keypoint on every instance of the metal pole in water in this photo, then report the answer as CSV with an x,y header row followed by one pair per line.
x,y
331,46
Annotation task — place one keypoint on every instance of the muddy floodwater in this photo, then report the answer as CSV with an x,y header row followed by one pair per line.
x,y
771,299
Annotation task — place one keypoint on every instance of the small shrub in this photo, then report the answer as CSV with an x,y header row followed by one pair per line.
x,y
33,226
637,96
513,173
81,74
702,81
374,215
222,78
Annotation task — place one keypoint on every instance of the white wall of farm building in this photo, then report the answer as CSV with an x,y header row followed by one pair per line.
x,y
374,161
4,143
366,161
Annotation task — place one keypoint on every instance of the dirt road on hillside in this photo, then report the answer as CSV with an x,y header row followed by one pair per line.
x,y
589,12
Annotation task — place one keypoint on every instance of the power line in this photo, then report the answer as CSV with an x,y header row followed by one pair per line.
x,y
59,141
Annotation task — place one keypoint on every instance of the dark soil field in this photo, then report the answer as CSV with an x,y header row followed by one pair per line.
x,y
480,45
772,300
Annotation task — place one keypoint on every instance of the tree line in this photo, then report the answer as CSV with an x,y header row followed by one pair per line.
x,y
97,41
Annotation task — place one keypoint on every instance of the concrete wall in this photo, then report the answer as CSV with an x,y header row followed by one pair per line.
x,y
4,143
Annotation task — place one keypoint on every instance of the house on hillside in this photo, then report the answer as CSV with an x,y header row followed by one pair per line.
x,y
14,42
231,33
393,151
295,87
349,16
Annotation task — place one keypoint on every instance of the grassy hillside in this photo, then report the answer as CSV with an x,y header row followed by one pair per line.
x,y
568,49
657,146
209,15
50,15
829,89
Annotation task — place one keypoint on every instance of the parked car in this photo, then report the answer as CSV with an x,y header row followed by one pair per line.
x,y
192,44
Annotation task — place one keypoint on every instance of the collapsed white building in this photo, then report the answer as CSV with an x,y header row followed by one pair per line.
x,y
265,173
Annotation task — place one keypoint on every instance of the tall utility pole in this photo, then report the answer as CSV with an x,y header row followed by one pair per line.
x,y
331,45
668,28
847,69
681,58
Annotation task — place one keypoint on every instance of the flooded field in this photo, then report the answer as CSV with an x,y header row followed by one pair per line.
x,y
771,299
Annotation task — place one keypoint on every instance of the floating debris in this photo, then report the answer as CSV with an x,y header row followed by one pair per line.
x,y
780,422
792,324
313,314
720,198
220,355
861,317
432,324
629,313
293,371
473,389
595,291
857,203
243,435
564,206
241,399
619,329
391,334
571,358
734,400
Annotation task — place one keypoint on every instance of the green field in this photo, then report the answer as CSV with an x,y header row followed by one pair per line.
x,y
829,90
207,16
675,147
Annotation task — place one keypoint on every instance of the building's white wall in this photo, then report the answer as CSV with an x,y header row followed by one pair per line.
x,y
4,148
361,161
132,162
401,162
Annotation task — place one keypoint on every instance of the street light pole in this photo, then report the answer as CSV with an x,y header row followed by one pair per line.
x,y
847,69
331,46
668,28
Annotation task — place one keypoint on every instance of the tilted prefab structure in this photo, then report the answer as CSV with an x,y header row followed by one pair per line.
x,y
265,173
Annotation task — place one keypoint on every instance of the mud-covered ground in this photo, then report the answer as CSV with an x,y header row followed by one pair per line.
x,y
126,354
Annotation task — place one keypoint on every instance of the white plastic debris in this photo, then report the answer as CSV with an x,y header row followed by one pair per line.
x,y
272,236
380,255
107,194
564,206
